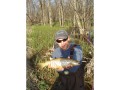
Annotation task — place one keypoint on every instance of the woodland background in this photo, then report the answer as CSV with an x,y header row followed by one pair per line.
x,y
43,19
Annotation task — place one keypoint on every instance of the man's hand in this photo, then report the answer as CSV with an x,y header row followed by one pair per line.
x,y
60,69
68,67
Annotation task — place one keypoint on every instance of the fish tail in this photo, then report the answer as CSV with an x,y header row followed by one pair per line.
x,y
41,65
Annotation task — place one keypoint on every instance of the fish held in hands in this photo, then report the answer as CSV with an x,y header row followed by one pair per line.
x,y
59,62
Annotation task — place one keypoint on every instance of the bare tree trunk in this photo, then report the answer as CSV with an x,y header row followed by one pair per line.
x,y
29,19
43,18
77,17
30,11
61,13
74,21
50,13
44,15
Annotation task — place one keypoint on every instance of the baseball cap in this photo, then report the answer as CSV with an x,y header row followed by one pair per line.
x,y
61,34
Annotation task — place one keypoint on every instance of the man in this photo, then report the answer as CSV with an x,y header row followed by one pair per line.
x,y
71,78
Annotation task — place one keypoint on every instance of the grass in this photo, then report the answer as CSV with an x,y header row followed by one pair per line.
x,y
41,37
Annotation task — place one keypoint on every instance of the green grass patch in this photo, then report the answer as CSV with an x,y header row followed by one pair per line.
x,y
41,37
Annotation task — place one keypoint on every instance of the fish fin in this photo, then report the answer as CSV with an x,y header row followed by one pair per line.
x,y
41,65
60,68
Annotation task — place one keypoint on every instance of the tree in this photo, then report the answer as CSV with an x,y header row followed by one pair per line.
x,y
42,5
61,13
50,12
77,13
76,16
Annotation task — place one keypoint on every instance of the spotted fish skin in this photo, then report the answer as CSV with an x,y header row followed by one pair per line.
x,y
60,62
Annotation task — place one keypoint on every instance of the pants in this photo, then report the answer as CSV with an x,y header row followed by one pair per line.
x,y
73,81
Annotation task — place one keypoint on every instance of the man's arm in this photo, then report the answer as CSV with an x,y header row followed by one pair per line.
x,y
78,55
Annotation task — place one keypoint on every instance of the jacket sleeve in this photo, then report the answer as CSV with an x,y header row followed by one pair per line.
x,y
78,55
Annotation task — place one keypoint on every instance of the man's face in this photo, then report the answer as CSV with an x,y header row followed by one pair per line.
x,y
63,43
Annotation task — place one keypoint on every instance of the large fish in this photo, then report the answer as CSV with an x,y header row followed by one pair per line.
x,y
60,62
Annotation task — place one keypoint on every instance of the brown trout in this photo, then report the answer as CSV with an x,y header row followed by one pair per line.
x,y
60,62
